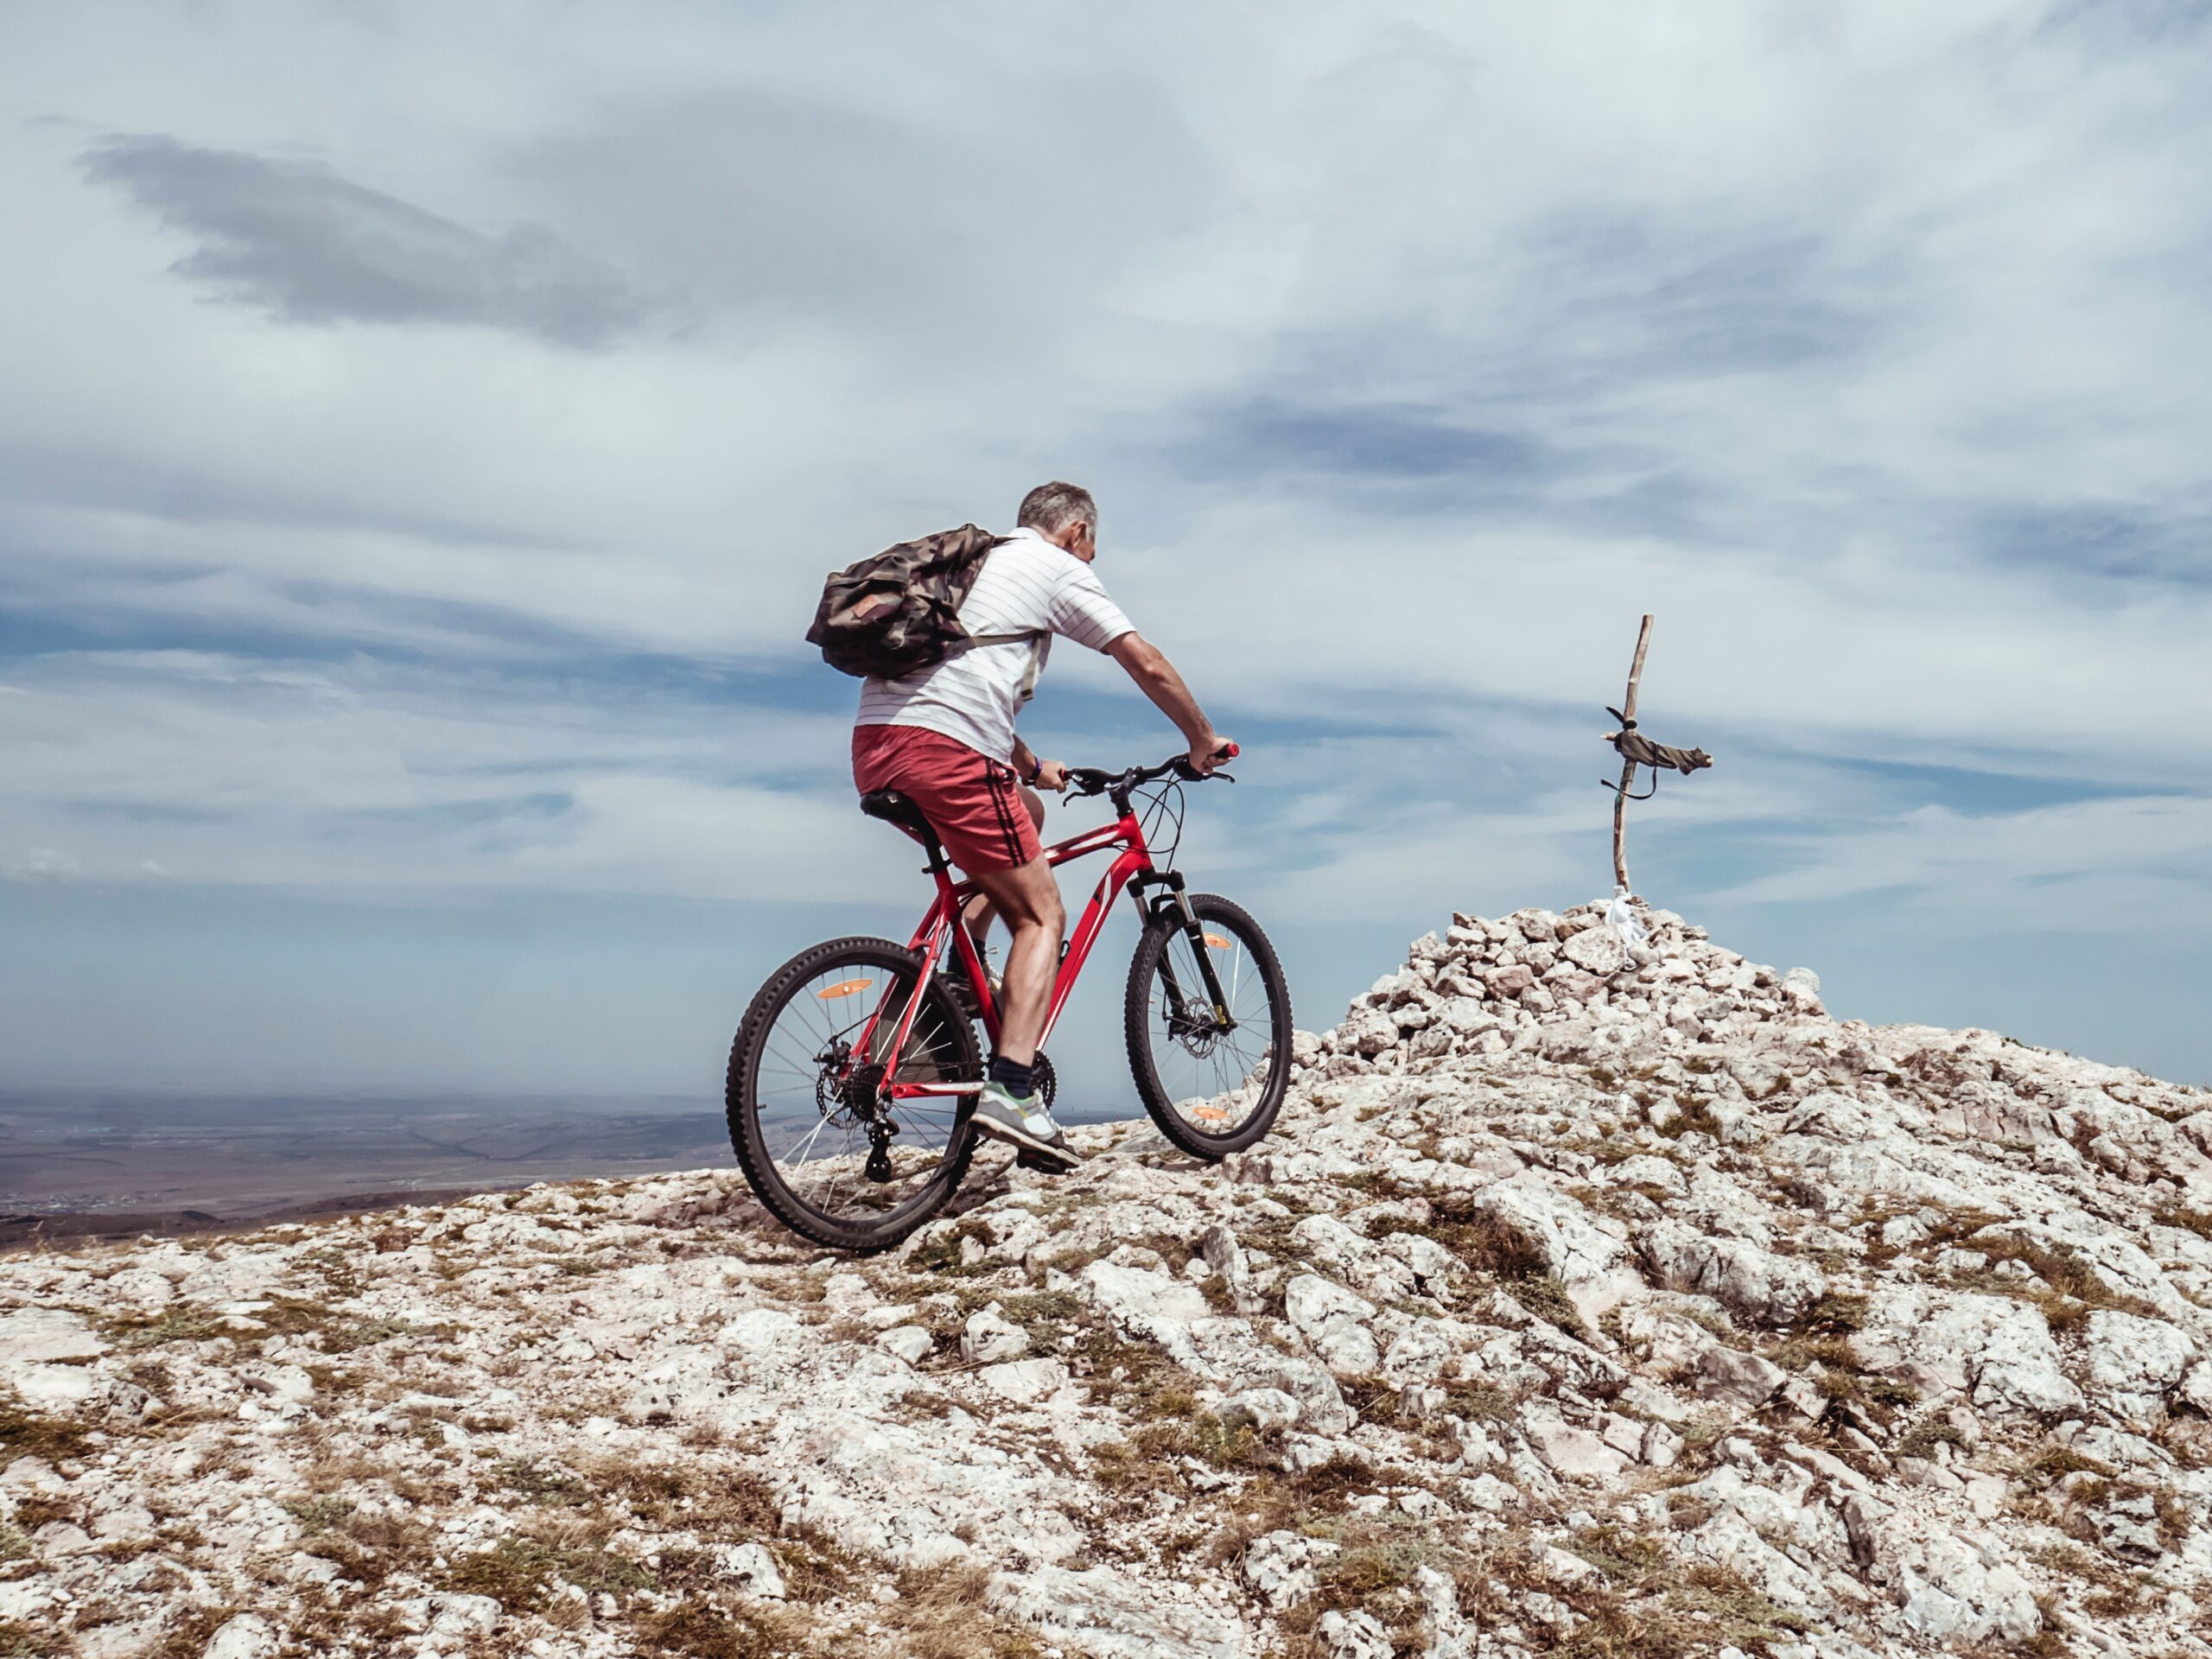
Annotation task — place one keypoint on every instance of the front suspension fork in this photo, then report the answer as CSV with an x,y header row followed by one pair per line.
x,y
1174,904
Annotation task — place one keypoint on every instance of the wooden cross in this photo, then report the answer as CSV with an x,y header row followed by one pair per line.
x,y
1636,750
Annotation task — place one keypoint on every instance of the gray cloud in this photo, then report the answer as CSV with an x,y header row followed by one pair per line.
x,y
988,232
2095,542
304,245
83,476
1399,441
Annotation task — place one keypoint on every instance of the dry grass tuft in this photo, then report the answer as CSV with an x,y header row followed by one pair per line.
x,y
371,1547
186,1636
945,1614
941,1255
22,1641
697,1631
339,1332
2189,1221
1648,1603
28,1433
1838,1313
539,1481
523,1572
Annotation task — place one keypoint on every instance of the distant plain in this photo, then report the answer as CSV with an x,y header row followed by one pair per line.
x,y
76,1163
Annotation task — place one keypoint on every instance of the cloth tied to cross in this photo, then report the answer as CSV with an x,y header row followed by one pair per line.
x,y
1628,927
1632,745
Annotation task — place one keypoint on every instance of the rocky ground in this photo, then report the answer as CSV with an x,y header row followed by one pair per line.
x,y
1584,1302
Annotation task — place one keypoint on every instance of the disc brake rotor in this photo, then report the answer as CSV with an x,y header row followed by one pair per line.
x,y
1195,1028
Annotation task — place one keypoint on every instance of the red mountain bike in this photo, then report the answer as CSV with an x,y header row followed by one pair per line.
x,y
855,1073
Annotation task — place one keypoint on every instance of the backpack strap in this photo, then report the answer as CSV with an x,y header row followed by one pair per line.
x,y
1036,636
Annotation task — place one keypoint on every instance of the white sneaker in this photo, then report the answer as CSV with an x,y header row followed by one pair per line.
x,y
1022,1122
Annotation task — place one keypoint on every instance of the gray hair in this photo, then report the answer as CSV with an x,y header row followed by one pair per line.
x,y
1050,508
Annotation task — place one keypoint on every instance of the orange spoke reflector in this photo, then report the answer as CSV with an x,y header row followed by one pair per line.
x,y
1210,1114
845,988
1218,943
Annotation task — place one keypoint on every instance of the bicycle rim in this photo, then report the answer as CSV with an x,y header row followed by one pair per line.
x,y
806,1105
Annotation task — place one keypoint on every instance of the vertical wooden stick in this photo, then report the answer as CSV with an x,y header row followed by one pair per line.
x,y
1628,767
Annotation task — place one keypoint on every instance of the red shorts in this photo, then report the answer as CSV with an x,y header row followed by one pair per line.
x,y
973,802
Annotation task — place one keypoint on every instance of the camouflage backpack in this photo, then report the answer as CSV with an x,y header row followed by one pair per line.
x,y
897,612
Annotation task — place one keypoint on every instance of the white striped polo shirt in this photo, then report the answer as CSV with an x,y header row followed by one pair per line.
x,y
1027,586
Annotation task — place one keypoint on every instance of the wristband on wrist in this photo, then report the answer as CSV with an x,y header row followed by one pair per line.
x,y
1036,770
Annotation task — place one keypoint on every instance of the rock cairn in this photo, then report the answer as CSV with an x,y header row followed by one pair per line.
x,y
1486,987
1588,1298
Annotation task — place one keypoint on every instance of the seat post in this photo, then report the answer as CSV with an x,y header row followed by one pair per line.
x,y
892,808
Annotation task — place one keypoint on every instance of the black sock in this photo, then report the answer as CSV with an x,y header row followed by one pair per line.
x,y
1019,1079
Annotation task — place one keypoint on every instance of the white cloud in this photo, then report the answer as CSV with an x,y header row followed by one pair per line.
x,y
2104,866
39,866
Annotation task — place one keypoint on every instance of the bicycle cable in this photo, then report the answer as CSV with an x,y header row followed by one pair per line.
x,y
1168,802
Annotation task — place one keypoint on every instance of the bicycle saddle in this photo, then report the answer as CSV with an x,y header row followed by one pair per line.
x,y
894,807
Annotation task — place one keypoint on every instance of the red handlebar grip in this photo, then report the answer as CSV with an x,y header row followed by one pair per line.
x,y
1230,750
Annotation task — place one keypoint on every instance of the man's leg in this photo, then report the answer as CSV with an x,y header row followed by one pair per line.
x,y
981,911
1029,899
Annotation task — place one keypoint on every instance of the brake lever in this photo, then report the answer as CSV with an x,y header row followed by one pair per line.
x,y
1190,775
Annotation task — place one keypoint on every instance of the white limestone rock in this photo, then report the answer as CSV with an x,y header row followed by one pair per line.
x,y
1555,1226
1262,1408
1956,1593
1321,1404
1314,1306
450,1614
247,1637
444,1354
1357,1634
1105,1611
2131,1362
1743,1379
1280,1566
909,1342
1751,1283
2000,1351
987,1339
1024,1382
750,1570
1575,1452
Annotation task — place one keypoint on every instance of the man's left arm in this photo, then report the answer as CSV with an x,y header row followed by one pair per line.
x,y
1036,773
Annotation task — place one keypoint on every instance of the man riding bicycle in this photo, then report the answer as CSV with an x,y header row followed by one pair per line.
x,y
944,739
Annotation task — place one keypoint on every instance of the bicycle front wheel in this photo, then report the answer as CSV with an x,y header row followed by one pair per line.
x,y
833,1157
1212,1075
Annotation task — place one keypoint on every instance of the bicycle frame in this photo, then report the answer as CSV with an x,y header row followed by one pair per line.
x,y
941,928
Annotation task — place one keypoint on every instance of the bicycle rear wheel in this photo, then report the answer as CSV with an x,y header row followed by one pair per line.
x,y
1212,1086
832,1157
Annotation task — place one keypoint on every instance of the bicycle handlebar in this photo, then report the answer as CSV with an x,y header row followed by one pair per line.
x,y
1092,780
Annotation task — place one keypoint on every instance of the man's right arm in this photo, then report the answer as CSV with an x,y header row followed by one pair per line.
x,y
1156,676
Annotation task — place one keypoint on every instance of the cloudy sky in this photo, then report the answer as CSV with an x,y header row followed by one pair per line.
x,y
424,428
